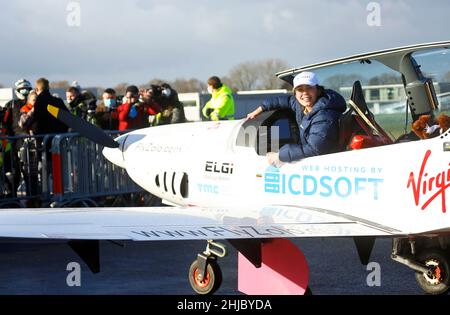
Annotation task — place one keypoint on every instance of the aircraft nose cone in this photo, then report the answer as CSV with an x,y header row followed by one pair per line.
x,y
115,155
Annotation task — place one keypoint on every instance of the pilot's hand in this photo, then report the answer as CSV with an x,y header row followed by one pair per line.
x,y
255,113
274,159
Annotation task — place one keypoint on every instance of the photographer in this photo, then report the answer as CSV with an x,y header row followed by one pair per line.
x,y
152,108
133,114
172,108
156,92
91,105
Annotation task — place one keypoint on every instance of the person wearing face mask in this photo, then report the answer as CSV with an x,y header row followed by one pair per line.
x,y
172,110
221,104
317,111
9,126
11,113
106,111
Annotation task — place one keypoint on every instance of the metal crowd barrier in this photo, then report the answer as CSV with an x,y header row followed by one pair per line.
x,y
81,172
22,173
58,170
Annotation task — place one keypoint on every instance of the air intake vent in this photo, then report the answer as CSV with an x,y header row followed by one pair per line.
x,y
184,186
174,184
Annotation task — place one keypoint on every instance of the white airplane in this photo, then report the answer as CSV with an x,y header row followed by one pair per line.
x,y
217,177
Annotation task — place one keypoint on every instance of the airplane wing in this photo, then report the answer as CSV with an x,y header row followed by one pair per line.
x,y
176,223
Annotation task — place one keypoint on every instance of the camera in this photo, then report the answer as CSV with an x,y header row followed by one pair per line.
x,y
156,91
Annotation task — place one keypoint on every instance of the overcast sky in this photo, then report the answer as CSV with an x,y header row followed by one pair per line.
x,y
138,40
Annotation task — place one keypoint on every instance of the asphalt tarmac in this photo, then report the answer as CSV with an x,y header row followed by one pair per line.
x,y
161,268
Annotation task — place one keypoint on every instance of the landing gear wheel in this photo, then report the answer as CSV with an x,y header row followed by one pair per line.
x,y
211,281
437,281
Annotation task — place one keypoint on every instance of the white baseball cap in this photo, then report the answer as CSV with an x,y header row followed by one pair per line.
x,y
306,77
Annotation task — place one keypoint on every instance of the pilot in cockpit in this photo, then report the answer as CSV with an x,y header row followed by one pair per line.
x,y
317,111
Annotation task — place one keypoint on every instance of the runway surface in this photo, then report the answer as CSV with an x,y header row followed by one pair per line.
x,y
161,268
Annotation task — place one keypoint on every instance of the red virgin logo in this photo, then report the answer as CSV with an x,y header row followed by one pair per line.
x,y
427,188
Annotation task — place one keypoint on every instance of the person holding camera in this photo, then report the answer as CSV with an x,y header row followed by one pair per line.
x,y
91,105
152,108
172,110
132,113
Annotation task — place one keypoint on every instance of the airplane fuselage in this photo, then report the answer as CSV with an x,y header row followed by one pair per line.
x,y
402,187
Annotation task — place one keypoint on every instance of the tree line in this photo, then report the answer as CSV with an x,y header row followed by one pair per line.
x,y
250,75
258,75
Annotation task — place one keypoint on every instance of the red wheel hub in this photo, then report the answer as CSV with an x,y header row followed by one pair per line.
x,y
438,273
204,283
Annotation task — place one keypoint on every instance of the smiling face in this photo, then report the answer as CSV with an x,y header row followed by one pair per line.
x,y
306,95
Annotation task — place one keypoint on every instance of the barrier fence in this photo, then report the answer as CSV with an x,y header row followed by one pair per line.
x,y
58,170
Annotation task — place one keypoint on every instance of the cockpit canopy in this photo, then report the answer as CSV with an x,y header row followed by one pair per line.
x,y
416,74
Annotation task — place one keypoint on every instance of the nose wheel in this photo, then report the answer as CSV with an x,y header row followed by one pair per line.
x,y
205,276
437,279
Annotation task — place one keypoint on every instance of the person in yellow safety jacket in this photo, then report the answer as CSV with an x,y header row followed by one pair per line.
x,y
221,104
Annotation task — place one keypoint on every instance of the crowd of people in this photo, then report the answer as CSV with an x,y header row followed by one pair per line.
x,y
137,108
27,115
317,112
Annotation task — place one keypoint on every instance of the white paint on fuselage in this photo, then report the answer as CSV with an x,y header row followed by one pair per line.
x,y
371,184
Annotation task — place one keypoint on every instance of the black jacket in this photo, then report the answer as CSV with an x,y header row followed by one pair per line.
x,y
319,130
11,117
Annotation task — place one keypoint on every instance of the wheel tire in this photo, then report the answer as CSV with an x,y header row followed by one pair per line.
x,y
212,279
439,282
